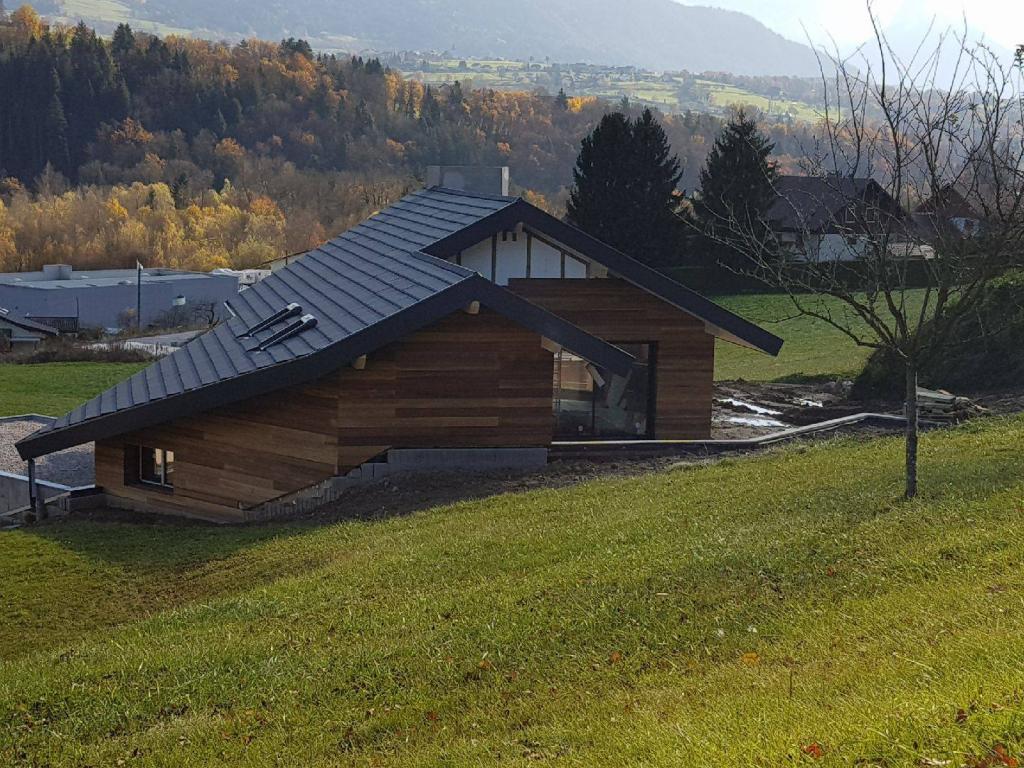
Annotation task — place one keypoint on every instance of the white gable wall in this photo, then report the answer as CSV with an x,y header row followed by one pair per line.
x,y
518,254
478,258
546,261
511,256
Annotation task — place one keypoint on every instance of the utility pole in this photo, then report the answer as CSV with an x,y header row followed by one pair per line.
x,y
138,296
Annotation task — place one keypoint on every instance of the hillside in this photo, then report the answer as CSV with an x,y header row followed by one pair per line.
x,y
194,154
772,611
659,34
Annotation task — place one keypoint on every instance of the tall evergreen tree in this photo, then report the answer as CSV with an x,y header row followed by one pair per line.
x,y
561,100
55,131
738,180
624,189
123,42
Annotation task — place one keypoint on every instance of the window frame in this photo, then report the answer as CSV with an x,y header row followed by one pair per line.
x,y
160,457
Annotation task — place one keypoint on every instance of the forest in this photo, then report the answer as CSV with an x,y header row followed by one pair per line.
x,y
197,154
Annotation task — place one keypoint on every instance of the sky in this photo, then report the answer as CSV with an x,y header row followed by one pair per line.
x,y
1001,21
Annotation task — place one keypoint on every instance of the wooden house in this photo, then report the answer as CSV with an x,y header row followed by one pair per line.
x,y
454,319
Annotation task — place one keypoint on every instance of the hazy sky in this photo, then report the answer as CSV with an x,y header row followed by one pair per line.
x,y
1002,21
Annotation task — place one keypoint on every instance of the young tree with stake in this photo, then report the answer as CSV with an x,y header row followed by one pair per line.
x,y
904,279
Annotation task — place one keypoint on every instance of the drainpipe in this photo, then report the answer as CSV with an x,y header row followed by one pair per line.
x,y
32,484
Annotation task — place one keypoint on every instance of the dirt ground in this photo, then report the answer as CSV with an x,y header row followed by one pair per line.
x,y
747,409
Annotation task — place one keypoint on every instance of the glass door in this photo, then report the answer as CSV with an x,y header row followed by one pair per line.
x,y
589,406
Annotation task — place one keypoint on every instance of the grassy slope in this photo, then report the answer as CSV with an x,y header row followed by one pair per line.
x,y
727,615
812,349
55,388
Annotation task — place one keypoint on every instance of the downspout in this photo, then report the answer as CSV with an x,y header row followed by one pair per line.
x,y
32,484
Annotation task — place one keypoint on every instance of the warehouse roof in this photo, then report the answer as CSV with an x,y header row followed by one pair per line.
x,y
44,280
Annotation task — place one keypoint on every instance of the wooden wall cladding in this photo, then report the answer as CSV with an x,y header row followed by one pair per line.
x,y
466,381
617,311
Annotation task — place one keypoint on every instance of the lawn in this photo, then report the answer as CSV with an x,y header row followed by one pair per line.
x,y
812,349
53,389
778,610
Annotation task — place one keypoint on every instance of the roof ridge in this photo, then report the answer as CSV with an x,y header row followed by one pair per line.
x,y
465,193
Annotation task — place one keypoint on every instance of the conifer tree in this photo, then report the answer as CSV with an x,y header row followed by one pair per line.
x,y
561,100
624,189
55,129
738,178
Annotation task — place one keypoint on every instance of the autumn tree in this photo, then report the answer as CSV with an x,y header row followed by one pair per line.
x,y
26,23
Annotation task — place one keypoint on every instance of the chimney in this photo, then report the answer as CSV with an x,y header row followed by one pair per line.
x,y
484,180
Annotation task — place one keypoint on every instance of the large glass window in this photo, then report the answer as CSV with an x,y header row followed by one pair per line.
x,y
589,406
156,466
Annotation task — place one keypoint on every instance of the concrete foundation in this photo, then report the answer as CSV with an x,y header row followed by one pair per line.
x,y
402,462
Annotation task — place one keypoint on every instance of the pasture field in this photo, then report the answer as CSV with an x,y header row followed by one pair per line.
x,y
780,610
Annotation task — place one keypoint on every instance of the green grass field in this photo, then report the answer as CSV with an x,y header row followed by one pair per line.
x,y
52,389
781,610
812,349
645,87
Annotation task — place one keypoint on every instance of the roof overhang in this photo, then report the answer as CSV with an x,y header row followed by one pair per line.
x,y
719,321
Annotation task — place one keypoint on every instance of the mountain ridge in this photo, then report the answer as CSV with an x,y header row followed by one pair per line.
x,y
654,34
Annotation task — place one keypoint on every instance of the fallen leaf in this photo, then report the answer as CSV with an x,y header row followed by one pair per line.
x,y
1005,757
814,749
432,716
750,658
485,664
961,716
615,658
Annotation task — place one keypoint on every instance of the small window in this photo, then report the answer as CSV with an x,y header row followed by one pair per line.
x,y
156,467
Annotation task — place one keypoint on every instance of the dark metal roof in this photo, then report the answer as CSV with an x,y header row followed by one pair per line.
x,y
816,203
948,203
23,322
366,288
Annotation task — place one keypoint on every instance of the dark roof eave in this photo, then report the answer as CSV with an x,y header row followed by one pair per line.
x,y
622,265
549,325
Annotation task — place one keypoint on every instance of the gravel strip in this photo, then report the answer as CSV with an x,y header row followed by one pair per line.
x,y
72,466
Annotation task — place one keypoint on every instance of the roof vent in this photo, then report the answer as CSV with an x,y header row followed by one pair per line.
x,y
304,323
56,271
289,311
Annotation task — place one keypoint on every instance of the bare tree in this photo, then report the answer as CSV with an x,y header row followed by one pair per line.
x,y
911,202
